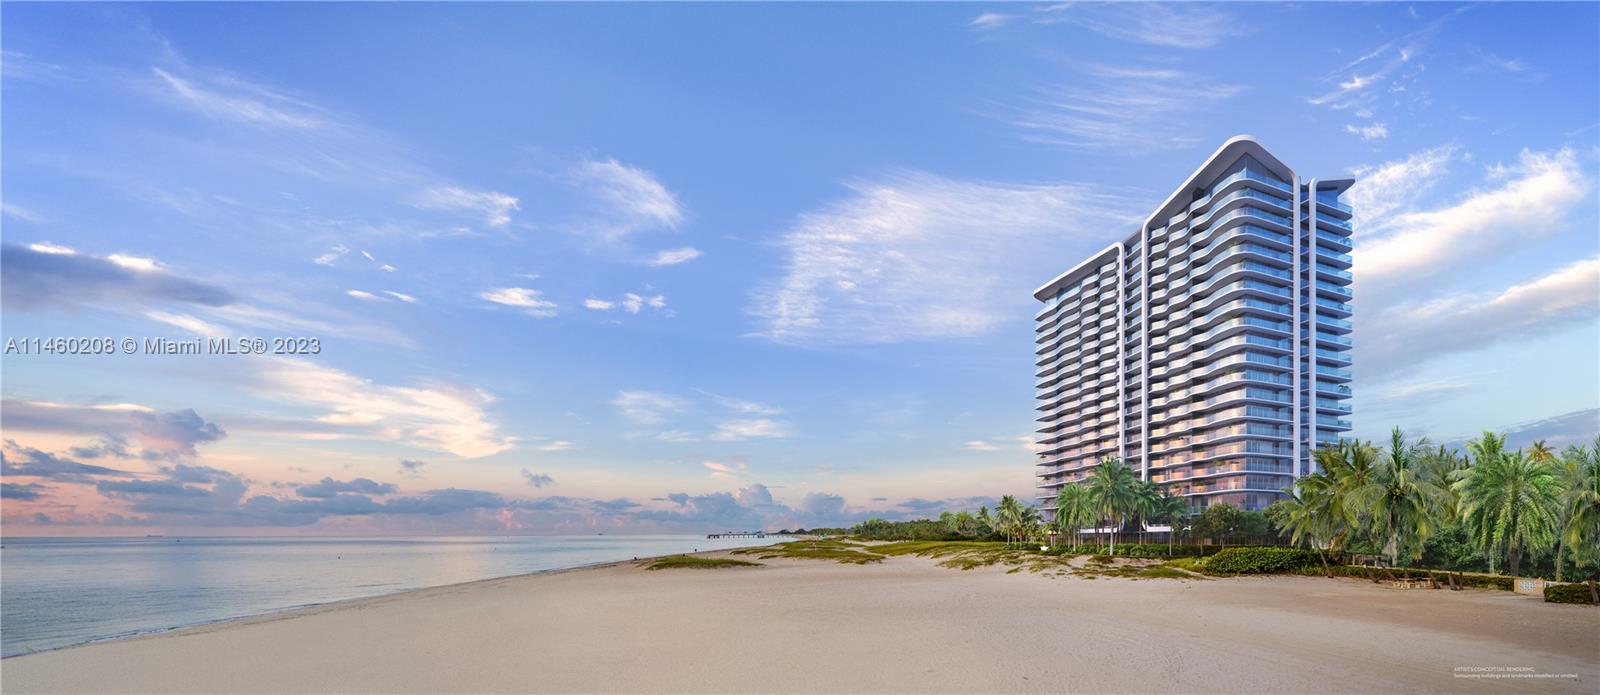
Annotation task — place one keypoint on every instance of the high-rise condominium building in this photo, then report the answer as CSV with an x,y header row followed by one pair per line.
x,y
1210,348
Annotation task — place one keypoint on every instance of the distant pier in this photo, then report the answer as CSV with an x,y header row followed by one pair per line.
x,y
745,534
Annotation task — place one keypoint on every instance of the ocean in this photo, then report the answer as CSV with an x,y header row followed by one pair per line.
x,y
56,592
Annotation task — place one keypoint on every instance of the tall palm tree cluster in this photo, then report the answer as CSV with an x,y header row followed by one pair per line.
x,y
1511,504
1112,497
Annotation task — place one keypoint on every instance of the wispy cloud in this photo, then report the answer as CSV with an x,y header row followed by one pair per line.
x,y
1382,190
727,471
437,417
46,276
1385,76
1531,197
243,102
530,301
1181,25
920,257
1370,132
673,256
989,21
624,200
753,428
1013,443
494,207
1402,336
630,302
649,407
1123,108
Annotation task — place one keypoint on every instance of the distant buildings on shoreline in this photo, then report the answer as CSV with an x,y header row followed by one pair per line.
x,y
1210,348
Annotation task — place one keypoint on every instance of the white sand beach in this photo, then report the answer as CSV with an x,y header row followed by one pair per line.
x,y
903,626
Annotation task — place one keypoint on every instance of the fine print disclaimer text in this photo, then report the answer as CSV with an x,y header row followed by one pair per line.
x,y
208,346
1505,672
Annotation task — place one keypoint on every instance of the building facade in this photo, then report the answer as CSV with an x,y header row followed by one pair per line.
x,y
1209,349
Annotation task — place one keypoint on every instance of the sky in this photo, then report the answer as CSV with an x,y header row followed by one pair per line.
x,y
687,268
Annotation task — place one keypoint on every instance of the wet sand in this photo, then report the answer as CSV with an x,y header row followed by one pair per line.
x,y
902,626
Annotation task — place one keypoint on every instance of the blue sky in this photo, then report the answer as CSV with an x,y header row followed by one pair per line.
x,y
687,267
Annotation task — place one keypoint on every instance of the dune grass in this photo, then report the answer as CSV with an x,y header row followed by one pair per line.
x,y
824,549
695,562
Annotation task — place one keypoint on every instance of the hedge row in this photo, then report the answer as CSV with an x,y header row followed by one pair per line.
x,y
1469,579
1568,593
1255,560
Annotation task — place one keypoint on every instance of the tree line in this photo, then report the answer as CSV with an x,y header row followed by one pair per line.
x,y
1410,502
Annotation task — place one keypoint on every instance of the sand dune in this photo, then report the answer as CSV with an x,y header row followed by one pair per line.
x,y
903,626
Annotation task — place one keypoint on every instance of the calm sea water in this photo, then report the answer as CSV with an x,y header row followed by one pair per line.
x,y
56,592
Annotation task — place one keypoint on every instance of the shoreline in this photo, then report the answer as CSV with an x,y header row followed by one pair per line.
x,y
312,608
905,625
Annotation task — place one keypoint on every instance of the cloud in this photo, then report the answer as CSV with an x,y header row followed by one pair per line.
x,y
412,467
742,406
757,428
674,256
725,471
1013,443
648,407
160,434
18,460
1406,334
1131,108
1168,25
537,479
919,257
185,322
631,197
22,492
235,100
16,211
1368,133
630,302
1382,190
1387,76
328,487
1532,197
435,417
553,446
989,20
332,255
494,207
1489,62
44,276
386,296
531,301
633,303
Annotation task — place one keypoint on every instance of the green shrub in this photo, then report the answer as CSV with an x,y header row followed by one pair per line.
x,y
1567,593
1253,560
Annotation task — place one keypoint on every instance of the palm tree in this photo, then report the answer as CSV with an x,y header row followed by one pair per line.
x,y
1171,509
966,523
1010,512
1073,510
985,520
1113,486
1403,506
1508,501
1146,496
1310,515
1578,471
1541,453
